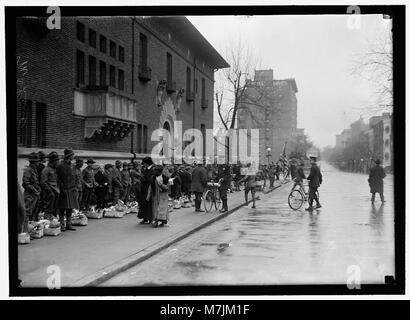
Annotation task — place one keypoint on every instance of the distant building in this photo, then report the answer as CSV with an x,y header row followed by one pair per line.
x,y
271,106
382,142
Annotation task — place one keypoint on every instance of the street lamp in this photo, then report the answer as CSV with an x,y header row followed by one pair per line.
x,y
268,154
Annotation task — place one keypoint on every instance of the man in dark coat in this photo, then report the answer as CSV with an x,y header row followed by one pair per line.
x,y
375,180
68,199
186,180
135,182
49,185
31,187
101,188
224,177
89,184
315,180
148,176
126,183
80,183
40,167
198,185
117,188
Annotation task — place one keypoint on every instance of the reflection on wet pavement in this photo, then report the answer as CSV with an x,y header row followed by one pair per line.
x,y
273,244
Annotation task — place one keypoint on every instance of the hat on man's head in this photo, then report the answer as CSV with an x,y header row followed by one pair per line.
x,y
78,160
42,155
68,153
90,160
118,163
378,161
147,161
33,157
108,165
53,156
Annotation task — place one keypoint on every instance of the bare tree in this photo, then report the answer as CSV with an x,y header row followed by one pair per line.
x,y
376,66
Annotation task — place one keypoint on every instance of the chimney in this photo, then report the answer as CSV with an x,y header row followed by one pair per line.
x,y
264,75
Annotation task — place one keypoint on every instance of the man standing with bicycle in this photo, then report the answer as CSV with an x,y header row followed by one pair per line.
x,y
315,180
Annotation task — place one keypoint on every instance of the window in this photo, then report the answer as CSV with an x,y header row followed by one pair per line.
x,y
92,71
112,76
196,86
80,67
169,67
145,133
120,79
103,44
26,123
41,124
139,138
203,131
121,54
80,31
92,38
143,51
188,80
103,73
203,90
113,49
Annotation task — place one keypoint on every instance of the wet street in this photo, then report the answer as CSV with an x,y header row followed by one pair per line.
x,y
273,244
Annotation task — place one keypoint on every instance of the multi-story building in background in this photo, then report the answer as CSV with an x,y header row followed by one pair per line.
x,y
270,105
100,86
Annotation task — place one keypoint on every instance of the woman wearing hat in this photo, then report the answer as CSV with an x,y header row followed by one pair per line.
x,y
158,193
50,186
148,175
31,187
89,184
68,199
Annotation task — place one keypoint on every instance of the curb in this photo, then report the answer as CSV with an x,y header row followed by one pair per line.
x,y
112,270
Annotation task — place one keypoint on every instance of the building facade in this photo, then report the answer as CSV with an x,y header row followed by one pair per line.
x,y
270,105
102,85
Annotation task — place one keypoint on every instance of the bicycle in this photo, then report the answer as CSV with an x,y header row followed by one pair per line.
x,y
298,196
212,196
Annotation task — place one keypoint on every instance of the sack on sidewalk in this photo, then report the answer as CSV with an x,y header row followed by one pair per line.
x,y
94,214
79,220
23,238
133,207
36,230
52,231
113,213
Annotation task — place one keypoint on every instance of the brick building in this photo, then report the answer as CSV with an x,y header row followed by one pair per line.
x,y
102,85
271,107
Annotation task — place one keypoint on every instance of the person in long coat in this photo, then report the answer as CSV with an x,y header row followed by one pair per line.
x,y
117,188
375,180
50,186
198,185
80,183
145,207
31,185
186,180
40,168
224,177
158,194
177,182
101,189
126,183
68,199
250,185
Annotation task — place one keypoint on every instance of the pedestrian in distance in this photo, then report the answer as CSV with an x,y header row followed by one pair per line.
x,y
250,185
68,199
376,176
147,177
101,188
224,178
315,180
49,185
199,184
117,187
31,186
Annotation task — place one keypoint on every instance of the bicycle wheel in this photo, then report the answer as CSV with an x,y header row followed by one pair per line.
x,y
295,199
218,201
208,200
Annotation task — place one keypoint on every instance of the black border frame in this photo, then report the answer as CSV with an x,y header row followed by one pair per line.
x,y
397,12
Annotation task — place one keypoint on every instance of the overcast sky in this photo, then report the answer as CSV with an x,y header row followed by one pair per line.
x,y
315,50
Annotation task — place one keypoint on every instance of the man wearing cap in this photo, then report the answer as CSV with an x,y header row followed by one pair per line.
x,y
78,165
117,188
49,185
315,180
68,199
126,183
31,187
148,176
89,184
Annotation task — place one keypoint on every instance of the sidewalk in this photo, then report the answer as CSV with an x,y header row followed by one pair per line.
x,y
95,253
